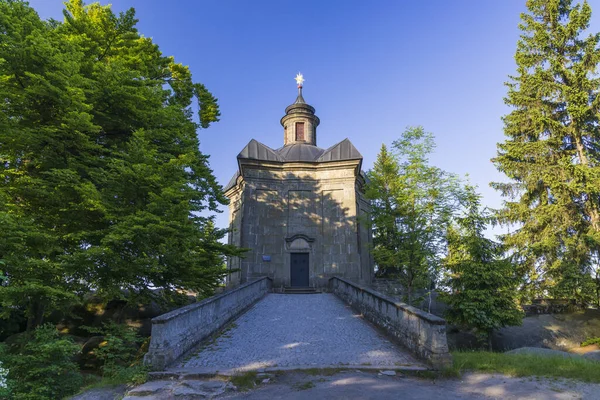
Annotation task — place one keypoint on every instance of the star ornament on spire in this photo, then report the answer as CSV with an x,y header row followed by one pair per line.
x,y
299,79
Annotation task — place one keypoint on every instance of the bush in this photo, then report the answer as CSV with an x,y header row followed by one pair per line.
x,y
41,366
594,340
119,353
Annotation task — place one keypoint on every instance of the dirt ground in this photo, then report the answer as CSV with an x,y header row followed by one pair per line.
x,y
368,385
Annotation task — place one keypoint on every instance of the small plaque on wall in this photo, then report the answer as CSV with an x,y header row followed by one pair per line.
x,y
266,258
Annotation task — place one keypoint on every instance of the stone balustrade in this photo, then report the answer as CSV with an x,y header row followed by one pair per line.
x,y
422,333
178,331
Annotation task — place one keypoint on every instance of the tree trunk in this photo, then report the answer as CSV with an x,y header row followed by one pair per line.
x,y
590,206
36,315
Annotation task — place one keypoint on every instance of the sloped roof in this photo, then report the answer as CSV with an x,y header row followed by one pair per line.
x,y
297,152
344,150
232,181
300,152
258,151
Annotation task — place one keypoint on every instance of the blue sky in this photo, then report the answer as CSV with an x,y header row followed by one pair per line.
x,y
372,68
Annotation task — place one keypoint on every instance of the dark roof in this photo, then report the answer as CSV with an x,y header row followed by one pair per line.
x,y
344,150
258,151
297,152
300,152
232,181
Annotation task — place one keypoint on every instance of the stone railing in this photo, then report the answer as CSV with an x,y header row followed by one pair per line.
x,y
178,331
422,333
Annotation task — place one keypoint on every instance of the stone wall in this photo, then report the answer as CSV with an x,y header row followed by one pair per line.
x,y
178,331
422,333
426,300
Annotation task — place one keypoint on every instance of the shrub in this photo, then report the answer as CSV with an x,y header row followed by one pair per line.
x,y
594,340
4,392
119,353
40,366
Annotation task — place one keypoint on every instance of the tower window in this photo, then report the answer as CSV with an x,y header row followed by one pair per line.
x,y
300,131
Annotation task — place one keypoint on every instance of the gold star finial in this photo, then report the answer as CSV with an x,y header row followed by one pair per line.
x,y
299,79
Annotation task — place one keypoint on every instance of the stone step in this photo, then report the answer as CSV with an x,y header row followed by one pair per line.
x,y
300,290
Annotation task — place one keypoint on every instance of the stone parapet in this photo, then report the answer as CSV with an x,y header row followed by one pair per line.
x,y
178,331
422,333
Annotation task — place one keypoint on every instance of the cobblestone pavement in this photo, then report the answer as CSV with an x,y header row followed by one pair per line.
x,y
298,330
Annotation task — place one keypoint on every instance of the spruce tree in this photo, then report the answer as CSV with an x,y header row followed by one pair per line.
x,y
551,153
481,283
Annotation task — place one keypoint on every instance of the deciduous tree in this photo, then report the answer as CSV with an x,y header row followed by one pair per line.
x,y
412,203
103,185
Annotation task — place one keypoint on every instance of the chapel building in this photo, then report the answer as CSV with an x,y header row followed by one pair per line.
x,y
299,209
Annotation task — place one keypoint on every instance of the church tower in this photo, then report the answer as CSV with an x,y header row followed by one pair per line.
x,y
300,209
300,122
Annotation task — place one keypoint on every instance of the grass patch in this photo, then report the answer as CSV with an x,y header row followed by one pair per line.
x,y
245,381
135,375
304,386
525,365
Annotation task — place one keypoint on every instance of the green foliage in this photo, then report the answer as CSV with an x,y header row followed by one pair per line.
x,y
245,381
41,366
527,365
551,152
119,353
103,185
590,341
481,282
412,203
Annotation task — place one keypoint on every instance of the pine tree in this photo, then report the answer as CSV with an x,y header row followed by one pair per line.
x,y
551,153
481,282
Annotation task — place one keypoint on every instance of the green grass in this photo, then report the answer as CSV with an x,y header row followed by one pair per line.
x,y
134,375
525,365
304,386
245,381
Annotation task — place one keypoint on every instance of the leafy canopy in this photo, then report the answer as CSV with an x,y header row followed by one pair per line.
x,y
412,203
103,184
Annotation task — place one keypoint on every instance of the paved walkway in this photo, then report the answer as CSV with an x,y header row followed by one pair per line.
x,y
284,330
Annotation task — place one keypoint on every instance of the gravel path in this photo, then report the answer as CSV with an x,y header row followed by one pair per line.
x,y
298,330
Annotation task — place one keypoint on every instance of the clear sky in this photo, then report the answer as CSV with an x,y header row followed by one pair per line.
x,y
372,68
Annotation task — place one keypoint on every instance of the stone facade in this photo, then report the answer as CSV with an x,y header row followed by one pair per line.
x,y
299,199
